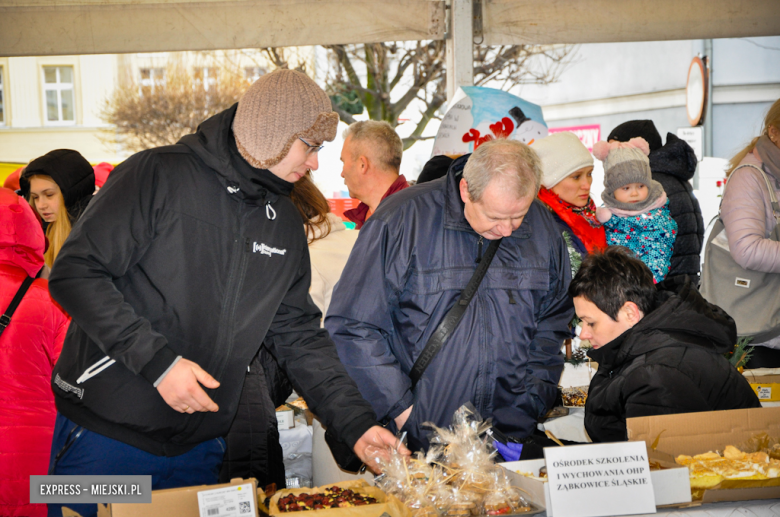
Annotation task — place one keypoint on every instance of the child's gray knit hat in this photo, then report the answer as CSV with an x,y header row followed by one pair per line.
x,y
625,163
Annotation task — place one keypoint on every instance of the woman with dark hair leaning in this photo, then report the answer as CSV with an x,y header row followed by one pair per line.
x,y
659,347
58,185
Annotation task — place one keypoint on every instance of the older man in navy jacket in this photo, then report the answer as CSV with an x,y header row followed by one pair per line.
x,y
408,268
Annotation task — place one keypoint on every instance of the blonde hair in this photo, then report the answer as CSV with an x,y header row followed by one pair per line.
x,y
58,230
772,119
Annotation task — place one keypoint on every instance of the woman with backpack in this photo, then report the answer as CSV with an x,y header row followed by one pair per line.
x,y
30,344
750,216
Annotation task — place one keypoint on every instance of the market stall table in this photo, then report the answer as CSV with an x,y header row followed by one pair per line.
x,y
759,508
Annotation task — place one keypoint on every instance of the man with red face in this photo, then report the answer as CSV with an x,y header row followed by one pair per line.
x,y
371,159
411,261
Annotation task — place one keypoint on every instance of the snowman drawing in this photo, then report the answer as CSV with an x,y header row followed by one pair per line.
x,y
528,130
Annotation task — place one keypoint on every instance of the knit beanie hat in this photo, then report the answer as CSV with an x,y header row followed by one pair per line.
x,y
637,128
276,110
625,163
70,171
561,154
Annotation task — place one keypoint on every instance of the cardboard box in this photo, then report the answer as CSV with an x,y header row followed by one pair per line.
x,y
668,436
173,502
285,417
669,486
767,387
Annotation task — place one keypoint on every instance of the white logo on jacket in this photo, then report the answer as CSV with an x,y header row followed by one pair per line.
x,y
264,249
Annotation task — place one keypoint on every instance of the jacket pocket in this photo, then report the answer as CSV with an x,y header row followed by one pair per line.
x,y
95,369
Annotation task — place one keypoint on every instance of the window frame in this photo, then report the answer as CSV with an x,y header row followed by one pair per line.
x,y
58,87
205,77
153,81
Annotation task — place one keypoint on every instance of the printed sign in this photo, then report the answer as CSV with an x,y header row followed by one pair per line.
x,y
600,479
694,136
764,392
588,135
231,501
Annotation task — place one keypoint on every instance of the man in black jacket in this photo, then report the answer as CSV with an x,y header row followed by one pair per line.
x,y
189,259
660,350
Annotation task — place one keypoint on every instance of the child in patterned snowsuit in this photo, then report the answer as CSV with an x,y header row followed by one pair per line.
x,y
635,212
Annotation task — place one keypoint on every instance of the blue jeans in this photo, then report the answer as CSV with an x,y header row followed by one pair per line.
x,y
76,450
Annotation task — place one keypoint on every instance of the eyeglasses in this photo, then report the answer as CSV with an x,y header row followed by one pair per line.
x,y
311,148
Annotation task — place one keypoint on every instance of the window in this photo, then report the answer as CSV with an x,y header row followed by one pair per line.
x,y
253,73
151,78
205,77
58,88
2,99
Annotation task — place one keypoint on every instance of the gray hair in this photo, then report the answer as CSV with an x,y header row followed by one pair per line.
x,y
513,163
384,143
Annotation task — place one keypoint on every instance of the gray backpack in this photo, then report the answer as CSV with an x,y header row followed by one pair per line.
x,y
752,298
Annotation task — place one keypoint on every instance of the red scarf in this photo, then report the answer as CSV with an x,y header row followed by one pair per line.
x,y
581,219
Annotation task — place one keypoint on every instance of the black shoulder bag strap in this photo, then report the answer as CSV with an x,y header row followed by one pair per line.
x,y
453,317
5,319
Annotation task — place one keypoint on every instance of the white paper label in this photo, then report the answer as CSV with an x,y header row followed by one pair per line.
x,y
694,137
764,392
231,501
600,479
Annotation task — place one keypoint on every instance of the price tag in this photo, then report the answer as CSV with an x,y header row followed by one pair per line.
x,y
230,501
599,479
764,392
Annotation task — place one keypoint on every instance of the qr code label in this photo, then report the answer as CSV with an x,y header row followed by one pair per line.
x,y
229,501
764,392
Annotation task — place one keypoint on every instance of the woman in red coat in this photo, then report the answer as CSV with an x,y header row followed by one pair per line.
x,y
29,347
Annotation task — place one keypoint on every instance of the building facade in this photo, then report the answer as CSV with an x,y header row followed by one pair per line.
x,y
57,102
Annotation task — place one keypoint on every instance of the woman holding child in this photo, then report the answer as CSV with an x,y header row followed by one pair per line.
x,y
636,210
567,174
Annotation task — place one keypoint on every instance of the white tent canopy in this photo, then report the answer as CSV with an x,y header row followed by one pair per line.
x,y
63,27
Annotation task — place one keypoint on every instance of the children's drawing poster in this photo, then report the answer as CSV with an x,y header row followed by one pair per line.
x,y
478,114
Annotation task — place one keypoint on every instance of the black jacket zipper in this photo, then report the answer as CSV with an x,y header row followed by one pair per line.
x,y
235,279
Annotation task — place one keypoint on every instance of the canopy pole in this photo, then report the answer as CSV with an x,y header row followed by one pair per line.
x,y
460,47
708,114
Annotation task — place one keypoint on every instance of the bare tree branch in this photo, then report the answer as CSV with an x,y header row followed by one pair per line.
x,y
160,114
384,79
388,78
